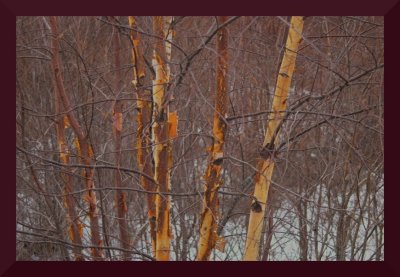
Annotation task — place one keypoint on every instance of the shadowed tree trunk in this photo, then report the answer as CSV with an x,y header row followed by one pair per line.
x,y
303,237
269,231
265,164
120,200
209,217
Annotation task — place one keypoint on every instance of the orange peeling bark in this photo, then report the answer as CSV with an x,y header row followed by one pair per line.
x,y
143,135
162,153
82,137
74,225
208,224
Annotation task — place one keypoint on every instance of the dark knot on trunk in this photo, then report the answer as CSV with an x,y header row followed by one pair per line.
x,y
267,151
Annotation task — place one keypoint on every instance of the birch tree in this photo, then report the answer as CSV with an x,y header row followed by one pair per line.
x,y
213,181
84,146
143,119
75,227
162,130
323,197
265,164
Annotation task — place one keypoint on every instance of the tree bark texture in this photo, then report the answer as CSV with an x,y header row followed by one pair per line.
x,y
213,180
265,164
82,141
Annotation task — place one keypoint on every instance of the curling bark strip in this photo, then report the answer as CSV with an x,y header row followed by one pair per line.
x,y
144,134
162,146
84,145
120,196
209,217
265,165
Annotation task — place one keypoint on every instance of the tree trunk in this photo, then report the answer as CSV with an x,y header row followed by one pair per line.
x,y
120,200
209,217
268,236
162,130
74,224
265,165
303,237
144,135
83,144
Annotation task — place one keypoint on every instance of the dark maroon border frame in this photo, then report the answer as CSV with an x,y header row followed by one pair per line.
x,y
10,9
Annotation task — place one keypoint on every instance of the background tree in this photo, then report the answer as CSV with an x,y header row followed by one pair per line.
x,y
120,197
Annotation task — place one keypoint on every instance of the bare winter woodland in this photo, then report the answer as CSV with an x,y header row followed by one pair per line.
x,y
200,138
